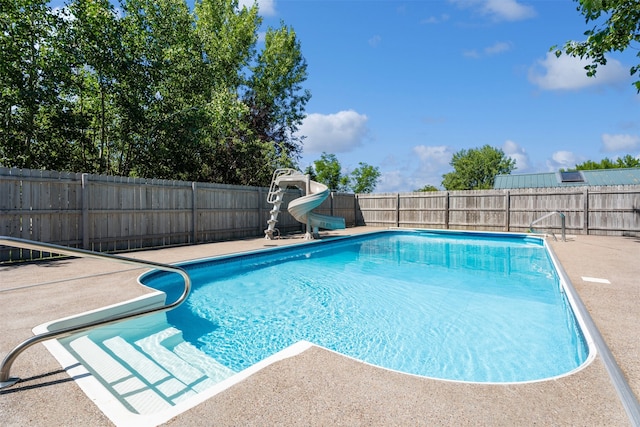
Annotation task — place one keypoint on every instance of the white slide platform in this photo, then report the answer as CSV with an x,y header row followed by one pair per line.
x,y
301,208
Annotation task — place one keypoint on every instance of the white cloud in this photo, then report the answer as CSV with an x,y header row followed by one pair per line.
x,y
616,143
508,10
265,7
471,54
375,41
400,181
435,19
563,159
497,48
494,49
517,153
333,133
499,10
433,156
422,165
391,182
433,162
568,73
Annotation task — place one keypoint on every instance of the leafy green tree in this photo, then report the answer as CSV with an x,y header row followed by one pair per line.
x,y
364,178
476,168
96,29
311,172
329,172
166,53
151,89
33,70
231,153
617,27
591,165
228,36
275,95
627,161
427,188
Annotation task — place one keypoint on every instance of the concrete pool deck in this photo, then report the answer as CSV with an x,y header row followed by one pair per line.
x,y
319,387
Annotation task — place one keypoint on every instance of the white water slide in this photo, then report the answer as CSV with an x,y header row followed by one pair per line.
x,y
301,208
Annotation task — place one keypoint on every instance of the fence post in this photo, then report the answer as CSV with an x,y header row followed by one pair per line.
x,y
194,212
332,193
303,227
446,210
85,210
260,211
397,209
585,219
507,210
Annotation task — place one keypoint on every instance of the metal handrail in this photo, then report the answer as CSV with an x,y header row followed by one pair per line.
x,y
564,239
5,367
271,197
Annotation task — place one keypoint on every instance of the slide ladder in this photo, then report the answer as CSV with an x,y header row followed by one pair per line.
x,y
302,207
275,197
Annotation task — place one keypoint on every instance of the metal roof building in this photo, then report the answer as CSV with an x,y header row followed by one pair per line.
x,y
598,177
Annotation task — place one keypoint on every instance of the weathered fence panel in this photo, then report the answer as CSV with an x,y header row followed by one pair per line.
x,y
614,210
529,205
132,213
39,205
605,210
422,210
344,205
379,210
470,209
106,213
216,209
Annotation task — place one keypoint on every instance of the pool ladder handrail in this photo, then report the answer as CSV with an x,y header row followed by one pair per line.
x,y
7,362
562,224
275,197
274,189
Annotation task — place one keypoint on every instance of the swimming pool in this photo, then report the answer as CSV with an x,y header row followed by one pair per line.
x,y
478,308
437,304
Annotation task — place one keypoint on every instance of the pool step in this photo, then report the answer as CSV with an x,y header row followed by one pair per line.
x,y
182,370
214,370
153,373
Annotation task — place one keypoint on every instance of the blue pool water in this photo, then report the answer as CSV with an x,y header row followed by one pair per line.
x,y
483,308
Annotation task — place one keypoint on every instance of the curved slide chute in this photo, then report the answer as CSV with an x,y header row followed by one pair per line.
x,y
301,208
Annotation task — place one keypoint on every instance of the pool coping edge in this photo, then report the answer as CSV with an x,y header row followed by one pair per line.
x,y
625,394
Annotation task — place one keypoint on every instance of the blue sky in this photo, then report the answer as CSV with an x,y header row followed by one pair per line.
x,y
403,85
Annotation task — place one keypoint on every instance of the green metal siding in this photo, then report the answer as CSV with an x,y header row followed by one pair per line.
x,y
599,177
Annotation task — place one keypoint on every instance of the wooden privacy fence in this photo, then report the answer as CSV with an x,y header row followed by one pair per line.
x,y
605,210
106,213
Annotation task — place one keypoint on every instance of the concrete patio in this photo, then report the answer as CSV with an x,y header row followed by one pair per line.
x,y
319,387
